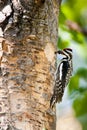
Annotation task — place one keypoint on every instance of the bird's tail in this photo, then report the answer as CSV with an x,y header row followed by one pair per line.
x,y
52,101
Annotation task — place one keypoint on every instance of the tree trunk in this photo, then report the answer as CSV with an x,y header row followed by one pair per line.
x,y
28,30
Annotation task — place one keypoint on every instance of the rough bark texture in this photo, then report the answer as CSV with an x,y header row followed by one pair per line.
x,y
27,63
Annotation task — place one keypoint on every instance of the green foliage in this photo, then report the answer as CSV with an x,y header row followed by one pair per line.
x,y
78,93
76,10
62,43
78,37
82,73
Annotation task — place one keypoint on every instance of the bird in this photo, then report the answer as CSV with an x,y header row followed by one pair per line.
x,y
63,75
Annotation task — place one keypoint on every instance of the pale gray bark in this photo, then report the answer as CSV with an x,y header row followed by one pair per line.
x,y
27,44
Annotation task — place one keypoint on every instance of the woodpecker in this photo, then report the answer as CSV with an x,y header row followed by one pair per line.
x,y
63,75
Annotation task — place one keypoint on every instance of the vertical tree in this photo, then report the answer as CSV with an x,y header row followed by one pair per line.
x,y
28,37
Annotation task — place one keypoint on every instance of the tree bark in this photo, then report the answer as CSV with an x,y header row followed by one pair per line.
x,y
27,64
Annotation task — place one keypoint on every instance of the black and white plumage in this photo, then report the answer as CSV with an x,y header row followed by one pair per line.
x,y
63,74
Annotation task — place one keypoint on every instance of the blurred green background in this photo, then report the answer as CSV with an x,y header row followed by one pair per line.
x,y
73,33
